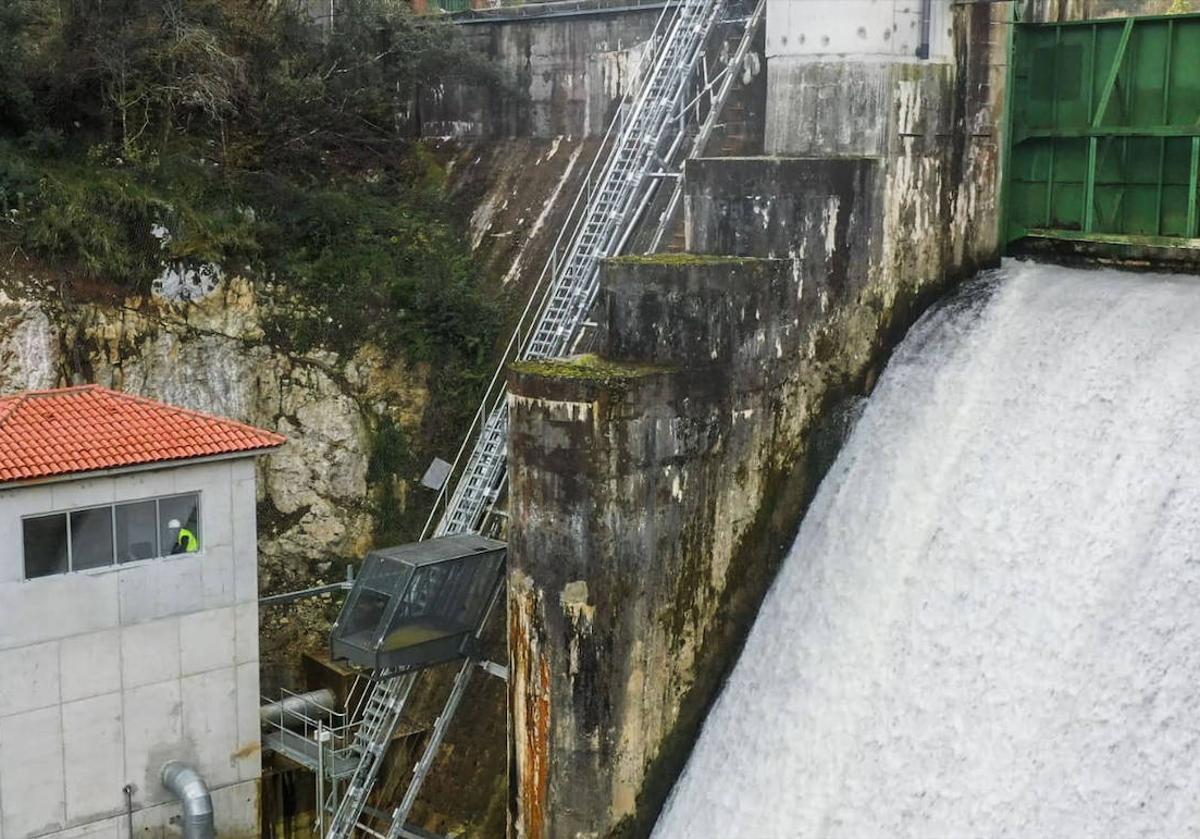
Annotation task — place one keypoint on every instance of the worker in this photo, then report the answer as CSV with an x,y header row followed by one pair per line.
x,y
185,541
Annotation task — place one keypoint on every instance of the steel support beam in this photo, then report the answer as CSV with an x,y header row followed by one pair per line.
x,y
1193,179
1114,71
1089,189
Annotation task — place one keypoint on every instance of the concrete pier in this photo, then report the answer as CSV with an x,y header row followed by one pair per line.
x,y
626,591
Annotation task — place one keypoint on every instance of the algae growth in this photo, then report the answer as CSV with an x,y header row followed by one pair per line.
x,y
685,260
589,368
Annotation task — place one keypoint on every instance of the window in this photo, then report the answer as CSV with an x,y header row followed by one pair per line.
x,y
137,531
179,524
45,545
91,538
100,537
363,621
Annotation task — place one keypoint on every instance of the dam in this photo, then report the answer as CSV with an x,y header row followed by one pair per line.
x,y
597,419
986,623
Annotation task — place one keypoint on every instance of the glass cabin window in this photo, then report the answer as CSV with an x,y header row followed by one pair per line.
x,y
45,545
363,620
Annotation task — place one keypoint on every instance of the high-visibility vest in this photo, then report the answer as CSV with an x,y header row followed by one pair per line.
x,y
187,540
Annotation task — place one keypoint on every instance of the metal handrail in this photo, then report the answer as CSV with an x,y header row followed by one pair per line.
x,y
340,726
727,76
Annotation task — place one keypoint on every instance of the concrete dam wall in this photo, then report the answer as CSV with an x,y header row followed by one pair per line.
x,y
656,485
562,70
984,626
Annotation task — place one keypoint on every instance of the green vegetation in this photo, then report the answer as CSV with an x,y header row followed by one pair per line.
x,y
390,457
590,368
257,140
140,133
683,259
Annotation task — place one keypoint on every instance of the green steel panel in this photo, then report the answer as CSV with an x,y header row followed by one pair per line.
x,y
1105,128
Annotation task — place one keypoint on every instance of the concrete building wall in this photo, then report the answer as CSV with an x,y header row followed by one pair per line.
x,y
935,127
837,70
856,29
107,674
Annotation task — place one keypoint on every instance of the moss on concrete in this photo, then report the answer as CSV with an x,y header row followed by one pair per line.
x,y
589,368
685,260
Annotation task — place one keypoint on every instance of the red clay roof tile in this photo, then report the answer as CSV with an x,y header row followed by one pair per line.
x,y
84,429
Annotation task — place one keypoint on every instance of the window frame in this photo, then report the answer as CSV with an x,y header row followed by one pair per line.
x,y
115,564
165,553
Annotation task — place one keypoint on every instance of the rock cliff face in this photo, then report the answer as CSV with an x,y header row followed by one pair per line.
x,y
212,354
207,345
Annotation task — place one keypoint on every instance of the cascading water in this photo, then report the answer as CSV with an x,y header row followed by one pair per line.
x,y
989,624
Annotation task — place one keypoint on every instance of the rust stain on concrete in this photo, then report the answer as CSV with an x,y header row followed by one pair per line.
x,y
247,750
531,710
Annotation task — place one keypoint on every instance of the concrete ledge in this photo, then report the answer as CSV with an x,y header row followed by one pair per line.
x,y
799,207
584,378
818,212
871,108
700,312
1149,252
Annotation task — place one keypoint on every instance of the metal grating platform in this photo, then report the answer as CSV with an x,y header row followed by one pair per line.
x,y
303,750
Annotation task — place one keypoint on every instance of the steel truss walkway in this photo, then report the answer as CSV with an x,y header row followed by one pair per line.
x,y
649,135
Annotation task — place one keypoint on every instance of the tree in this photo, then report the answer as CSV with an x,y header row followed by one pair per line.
x,y
23,27
155,63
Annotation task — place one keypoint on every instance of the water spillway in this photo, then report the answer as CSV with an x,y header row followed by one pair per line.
x,y
989,623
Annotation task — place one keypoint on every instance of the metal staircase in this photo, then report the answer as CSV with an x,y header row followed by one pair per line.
x,y
380,714
718,88
645,137
650,134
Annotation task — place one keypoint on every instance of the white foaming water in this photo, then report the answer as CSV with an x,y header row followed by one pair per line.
x,y
989,624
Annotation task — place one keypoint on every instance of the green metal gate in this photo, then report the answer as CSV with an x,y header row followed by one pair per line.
x,y
1106,130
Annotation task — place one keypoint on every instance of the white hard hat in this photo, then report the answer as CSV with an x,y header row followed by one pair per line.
x,y
173,524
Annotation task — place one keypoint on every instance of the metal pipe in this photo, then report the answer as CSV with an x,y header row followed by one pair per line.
x,y
186,784
926,26
128,790
316,591
320,778
297,707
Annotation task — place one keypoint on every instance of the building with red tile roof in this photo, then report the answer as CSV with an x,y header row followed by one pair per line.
x,y
72,430
128,611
